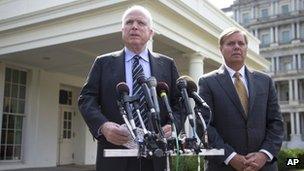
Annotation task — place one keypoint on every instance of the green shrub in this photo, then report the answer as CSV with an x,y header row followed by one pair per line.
x,y
186,163
285,154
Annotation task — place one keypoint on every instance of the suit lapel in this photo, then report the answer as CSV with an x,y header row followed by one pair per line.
x,y
156,66
227,84
118,67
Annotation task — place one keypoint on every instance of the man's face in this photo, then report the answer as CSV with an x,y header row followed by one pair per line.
x,y
136,31
234,50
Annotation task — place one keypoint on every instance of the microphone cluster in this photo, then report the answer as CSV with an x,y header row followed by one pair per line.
x,y
154,142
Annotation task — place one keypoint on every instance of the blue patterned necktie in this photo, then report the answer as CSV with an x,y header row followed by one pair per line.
x,y
138,70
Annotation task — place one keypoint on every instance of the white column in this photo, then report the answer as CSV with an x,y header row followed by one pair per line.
x,y
276,34
271,35
196,70
298,30
278,64
294,62
271,11
290,91
2,80
292,4
293,33
292,126
296,89
196,66
256,33
276,7
299,61
253,12
297,123
272,64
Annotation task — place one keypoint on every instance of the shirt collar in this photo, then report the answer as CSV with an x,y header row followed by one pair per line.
x,y
232,72
129,54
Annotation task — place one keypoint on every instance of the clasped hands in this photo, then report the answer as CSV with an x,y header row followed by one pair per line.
x,y
251,162
118,135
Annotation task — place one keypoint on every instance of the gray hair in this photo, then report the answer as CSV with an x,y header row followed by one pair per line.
x,y
229,31
141,9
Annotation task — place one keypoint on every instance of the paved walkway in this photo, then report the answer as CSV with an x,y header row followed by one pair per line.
x,y
61,168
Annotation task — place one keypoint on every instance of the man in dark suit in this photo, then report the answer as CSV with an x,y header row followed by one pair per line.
x,y
97,101
246,121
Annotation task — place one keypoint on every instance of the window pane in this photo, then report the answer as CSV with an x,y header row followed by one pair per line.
x,y
18,137
69,134
6,105
65,116
8,74
285,9
17,151
14,106
15,91
22,77
64,134
65,125
11,122
70,125
10,137
22,92
7,90
4,121
19,122
21,105
9,152
15,76
2,148
3,137
70,116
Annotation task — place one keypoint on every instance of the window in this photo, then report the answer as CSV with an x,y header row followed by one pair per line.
x,y
264,13
65,97
67,125
285,37
286,63
245,18
302,125
285,9
302,61
265,40
13,114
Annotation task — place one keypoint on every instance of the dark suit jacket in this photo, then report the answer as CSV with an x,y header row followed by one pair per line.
x,y
230,128
97,101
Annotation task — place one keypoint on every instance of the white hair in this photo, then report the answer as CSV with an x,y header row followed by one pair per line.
x,y
141,9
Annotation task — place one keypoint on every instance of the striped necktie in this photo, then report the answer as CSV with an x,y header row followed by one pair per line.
x,y
138,70
241,91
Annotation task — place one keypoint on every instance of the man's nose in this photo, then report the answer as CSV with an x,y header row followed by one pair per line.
x,y
135,25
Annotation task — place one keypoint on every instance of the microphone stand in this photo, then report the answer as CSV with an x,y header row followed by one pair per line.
x,y
205,134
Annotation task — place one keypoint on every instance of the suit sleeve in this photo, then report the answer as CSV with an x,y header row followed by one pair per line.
x,y
89,99
215,140
274,128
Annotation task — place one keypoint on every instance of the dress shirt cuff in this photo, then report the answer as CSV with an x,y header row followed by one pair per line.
x,y
270,156
229,158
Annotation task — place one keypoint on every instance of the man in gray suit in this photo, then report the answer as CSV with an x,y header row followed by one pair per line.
x,y
246,121
97,101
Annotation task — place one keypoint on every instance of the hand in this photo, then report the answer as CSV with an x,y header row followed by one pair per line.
x,y
255,161
238,162
167,130
115,133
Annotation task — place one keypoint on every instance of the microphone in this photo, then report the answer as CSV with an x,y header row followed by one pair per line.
x,y
142,81
162,90
152,83
122,90
181,84
192,91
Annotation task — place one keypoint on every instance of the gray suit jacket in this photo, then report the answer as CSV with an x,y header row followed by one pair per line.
x,y
97,101
230,128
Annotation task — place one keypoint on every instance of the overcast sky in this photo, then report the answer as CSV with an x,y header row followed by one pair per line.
x,y
221,3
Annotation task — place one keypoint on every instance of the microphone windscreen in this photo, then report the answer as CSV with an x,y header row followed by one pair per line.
x,y
191,86
141,78
121,88
181,83
152,82
162,87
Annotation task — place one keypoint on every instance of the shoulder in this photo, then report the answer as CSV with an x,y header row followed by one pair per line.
x,y
260,75
161,56
110,55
